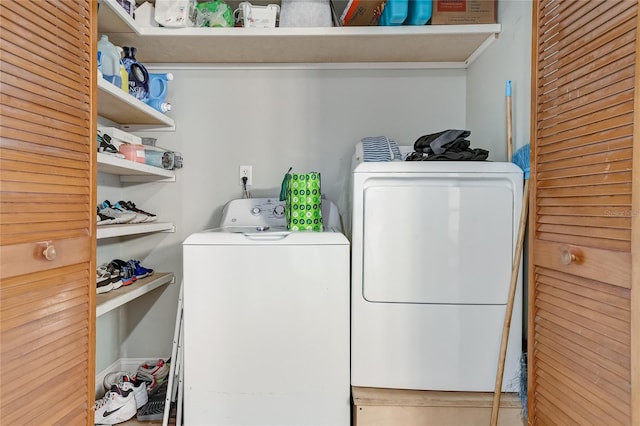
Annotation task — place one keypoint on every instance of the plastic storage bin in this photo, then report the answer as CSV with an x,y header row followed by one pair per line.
x,y
419,12
394,13
133,152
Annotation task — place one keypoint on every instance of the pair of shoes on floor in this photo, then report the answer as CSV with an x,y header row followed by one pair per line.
x,y
126,381
119,404
122,212
154,373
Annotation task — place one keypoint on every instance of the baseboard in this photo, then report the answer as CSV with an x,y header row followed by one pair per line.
x,y
123,364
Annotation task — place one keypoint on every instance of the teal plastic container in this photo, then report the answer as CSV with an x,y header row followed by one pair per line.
x,y
394,13
419,12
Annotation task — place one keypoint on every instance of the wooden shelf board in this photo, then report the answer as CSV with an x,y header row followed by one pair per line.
x,y
130,170
120,107
110,231
109,301
446,45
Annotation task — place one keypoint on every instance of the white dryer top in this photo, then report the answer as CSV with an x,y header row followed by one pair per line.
x,y
462,167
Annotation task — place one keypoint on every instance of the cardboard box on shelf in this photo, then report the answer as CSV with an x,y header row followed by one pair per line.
x,y
457,12
361,12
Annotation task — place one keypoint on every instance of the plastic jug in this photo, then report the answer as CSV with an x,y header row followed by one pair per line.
x,y
138,75
158,86
109,61
160,105
419,12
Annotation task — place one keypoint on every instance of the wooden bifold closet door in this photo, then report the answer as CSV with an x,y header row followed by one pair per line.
x,y
584,278
47,211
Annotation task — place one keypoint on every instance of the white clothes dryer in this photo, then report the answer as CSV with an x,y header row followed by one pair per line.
x,y
266,320
432,249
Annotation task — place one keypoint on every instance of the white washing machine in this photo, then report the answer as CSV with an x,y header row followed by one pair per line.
x,y
266,320
432,249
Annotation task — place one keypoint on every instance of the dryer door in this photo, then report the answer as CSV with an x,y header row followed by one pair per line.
x,y
436,238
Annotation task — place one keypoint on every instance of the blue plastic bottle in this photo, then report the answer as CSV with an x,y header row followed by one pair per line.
x,y
158,86
419,12
394,13
138,75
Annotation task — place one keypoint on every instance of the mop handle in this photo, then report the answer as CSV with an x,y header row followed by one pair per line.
x,y
509,122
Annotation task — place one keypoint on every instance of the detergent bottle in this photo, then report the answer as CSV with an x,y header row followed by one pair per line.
x,y
160,105
158,86
124,75
138,75
109,61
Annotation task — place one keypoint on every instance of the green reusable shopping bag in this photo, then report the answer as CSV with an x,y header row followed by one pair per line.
x,y
303,202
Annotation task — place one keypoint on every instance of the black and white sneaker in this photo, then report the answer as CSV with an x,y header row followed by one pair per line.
x,y
131,207
116,406
103,283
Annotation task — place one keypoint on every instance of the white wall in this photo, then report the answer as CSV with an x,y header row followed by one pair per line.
x,y
508,58
272,119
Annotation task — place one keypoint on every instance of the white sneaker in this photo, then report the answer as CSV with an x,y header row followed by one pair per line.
x,y
139,217
126,382
116,406
139,390
118,215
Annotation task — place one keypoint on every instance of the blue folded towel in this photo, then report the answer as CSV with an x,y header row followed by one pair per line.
x,y
380,148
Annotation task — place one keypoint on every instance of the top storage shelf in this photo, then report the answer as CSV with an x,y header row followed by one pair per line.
x,y
442,46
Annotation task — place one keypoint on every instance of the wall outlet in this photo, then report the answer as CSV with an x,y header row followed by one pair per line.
x,y
246,171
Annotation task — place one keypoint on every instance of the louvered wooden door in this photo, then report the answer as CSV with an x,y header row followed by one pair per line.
x,y
47,211
584,275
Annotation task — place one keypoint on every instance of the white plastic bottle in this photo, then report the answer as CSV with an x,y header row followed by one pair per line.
x,y
109,61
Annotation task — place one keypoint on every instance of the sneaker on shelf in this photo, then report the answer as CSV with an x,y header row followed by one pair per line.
x,y
116,406
153,372
132,207
127,273
140,217
120,216
104,219
113,271
139,270
103,283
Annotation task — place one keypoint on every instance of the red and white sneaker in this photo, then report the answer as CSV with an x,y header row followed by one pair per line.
x,y
153,372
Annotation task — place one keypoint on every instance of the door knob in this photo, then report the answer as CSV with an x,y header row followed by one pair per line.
x,y
49,252
569,255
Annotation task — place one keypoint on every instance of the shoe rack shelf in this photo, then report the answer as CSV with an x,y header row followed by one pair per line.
x,y
130,171
109,301
111,231
432,46
130,113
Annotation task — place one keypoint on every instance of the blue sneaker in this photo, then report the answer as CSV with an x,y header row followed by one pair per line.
x,y
139,270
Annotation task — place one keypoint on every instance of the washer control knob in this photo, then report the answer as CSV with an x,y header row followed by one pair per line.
x,y
278,211
255,211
